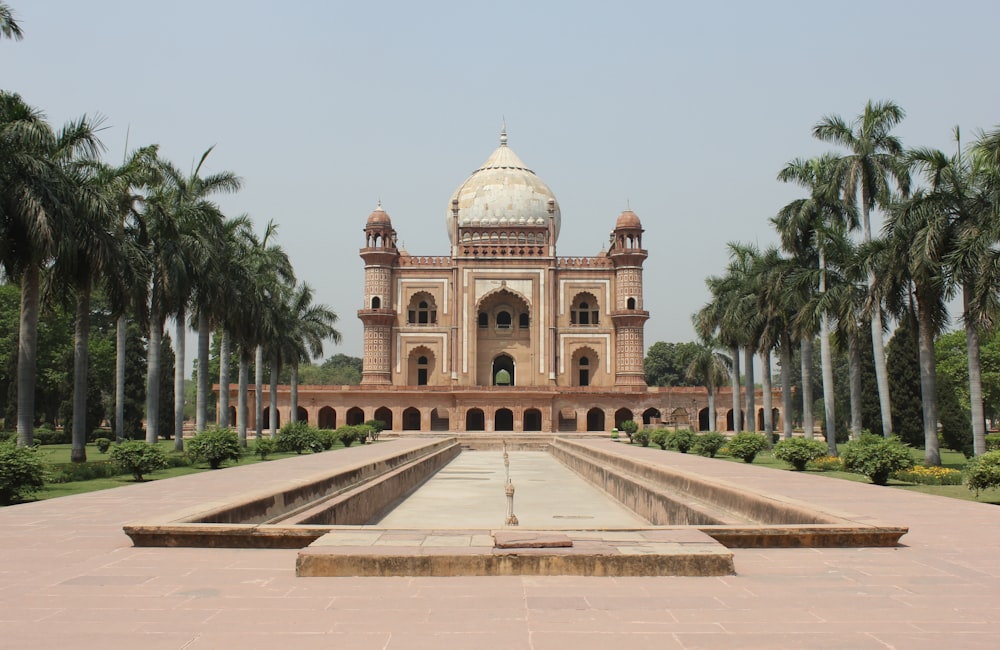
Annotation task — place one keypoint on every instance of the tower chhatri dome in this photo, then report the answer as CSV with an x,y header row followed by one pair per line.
x,y
379,217
503,192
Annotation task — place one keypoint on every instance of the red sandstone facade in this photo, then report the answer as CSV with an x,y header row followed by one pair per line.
x,y
503,334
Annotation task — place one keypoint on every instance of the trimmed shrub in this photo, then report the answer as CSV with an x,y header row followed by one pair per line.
x,y
983,472
709,443
21,472
376,426
137,458
799,452
827,464
641,438
630,427
97,434
746,445
7,435
298,437
103,444
327,438
45,435
659,437
215,446
348,435
876,457
993,442
264,447
682,440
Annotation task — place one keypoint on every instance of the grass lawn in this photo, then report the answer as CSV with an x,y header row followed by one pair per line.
x,y
950,459
55,456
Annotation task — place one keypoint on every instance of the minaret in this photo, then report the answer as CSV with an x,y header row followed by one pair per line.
x,y
628,316
380,256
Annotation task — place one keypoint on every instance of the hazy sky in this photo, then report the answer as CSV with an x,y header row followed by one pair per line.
x,y
683,111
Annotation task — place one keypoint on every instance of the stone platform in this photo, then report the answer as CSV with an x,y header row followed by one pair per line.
x,y
617,553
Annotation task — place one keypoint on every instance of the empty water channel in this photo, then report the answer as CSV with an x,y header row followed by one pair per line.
x,y
560,484
471,490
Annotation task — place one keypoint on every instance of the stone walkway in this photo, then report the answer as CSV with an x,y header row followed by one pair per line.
x,y
70,578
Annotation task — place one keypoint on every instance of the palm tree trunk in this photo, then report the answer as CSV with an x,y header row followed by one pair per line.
x,y
928,387
878,344
712,415
153,377
293,416
201,401
826,361
81,338
120,345
179,345
765,382
737,420
786,385
273,411
224,380
27,355
808,422
881,372
241,399
975,377
750,397
258,371
854,364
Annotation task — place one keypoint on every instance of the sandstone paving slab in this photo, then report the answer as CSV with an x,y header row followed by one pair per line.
x,y
951,545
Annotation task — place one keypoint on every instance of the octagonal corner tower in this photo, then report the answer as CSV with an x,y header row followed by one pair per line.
x,y
503,192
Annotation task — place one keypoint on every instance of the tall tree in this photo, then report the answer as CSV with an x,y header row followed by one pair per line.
x,y
709,368
815,221
867,175
36,205
307,326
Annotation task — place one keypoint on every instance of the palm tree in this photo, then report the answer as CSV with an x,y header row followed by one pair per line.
x,y
35,206
189,223
234,302
90,251
732,317
918,236
867,175
124,187
8,26
815,221
959,189
311,325
266,268
709,368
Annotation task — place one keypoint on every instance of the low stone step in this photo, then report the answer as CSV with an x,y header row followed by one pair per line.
x,y
648,552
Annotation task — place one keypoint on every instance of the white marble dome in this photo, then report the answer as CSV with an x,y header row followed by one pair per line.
x,y
502,192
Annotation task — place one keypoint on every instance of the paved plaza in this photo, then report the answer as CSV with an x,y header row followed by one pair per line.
x,y
70,578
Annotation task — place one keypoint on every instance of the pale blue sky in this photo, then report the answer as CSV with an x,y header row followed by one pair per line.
x,y
685,111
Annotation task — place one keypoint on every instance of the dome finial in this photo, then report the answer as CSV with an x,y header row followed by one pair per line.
x,y
503,133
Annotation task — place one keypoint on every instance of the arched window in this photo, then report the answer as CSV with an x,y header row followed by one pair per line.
x,y
376,302
422,310
421,371
503,320
584,310
483,320
630,303
523,321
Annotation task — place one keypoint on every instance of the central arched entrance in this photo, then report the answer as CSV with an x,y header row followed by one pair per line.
x,y
503,370
503,420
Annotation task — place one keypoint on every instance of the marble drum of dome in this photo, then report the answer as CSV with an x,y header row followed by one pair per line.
x,y
503,192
